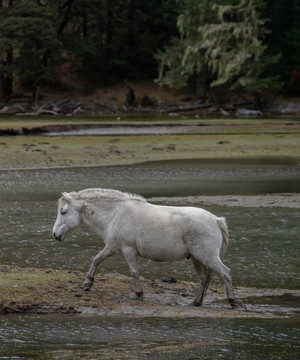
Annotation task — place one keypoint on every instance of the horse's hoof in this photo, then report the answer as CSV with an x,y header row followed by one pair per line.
x,y
87,284
139,296
196,303
237,304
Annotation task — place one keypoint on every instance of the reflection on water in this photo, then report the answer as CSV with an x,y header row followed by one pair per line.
x,y
263,252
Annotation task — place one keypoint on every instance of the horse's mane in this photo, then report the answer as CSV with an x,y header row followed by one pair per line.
x,y
108,194
96,193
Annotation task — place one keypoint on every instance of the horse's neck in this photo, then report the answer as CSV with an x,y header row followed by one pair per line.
x,y
99,216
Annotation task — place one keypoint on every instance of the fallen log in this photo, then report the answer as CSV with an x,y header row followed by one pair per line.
x,y
248,113
187,108
226,107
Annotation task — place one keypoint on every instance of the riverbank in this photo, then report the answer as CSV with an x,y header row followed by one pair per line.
x,y
285,200
210,139
49,291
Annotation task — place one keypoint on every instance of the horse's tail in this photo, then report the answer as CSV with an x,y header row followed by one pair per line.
x,y
224,230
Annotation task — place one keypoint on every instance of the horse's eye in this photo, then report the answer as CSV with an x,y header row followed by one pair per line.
x,y
63,212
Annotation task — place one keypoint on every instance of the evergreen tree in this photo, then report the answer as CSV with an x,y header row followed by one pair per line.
x,y
284,38
6,56
184,57
226,39
115,39
292,43
234,49
27,32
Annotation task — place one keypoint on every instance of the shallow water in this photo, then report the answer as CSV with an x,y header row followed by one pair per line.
x,y
65,337
164,178
127,130
263,253
263,250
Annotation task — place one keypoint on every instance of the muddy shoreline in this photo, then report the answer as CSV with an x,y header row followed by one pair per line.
x,y
58,128
34,128
50,291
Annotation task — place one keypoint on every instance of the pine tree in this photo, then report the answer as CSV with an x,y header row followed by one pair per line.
x,y
292,43
234,49
184,57
284,23
28,34
225,39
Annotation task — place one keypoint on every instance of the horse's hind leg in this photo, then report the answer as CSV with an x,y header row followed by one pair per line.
x,y
102,255
225,273
131,259
204,275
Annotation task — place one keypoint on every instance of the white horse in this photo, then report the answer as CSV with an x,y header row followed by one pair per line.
x,y
131,226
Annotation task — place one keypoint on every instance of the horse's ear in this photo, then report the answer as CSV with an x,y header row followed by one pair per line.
x,y
72,202
67,197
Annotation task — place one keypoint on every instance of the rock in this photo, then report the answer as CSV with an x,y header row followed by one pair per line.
x,y
247,112
169,281
288,108
13,109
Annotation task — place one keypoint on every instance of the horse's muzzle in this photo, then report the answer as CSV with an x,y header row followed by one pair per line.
x,y
57,237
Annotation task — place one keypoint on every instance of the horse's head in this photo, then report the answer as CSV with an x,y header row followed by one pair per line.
x,y
68,216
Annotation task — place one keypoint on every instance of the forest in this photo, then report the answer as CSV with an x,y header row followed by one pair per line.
x,y
250,46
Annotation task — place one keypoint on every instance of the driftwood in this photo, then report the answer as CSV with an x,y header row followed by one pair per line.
x,y
212,107
248,113
188,108
64,107
13,109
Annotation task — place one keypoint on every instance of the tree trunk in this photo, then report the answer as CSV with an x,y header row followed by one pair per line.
x,y
36,96
257,101
9,74
201,85
84,25
65,16
109,28
2,88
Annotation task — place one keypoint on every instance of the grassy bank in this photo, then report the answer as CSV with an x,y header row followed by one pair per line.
x,y
218,138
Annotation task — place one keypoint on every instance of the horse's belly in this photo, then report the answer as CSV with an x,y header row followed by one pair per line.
x,y
162,253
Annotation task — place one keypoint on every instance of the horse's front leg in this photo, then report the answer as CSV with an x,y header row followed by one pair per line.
x,y
131,259
102,255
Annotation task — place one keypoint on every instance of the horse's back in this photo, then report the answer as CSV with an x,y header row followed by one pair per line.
x,y
190,215
175,221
